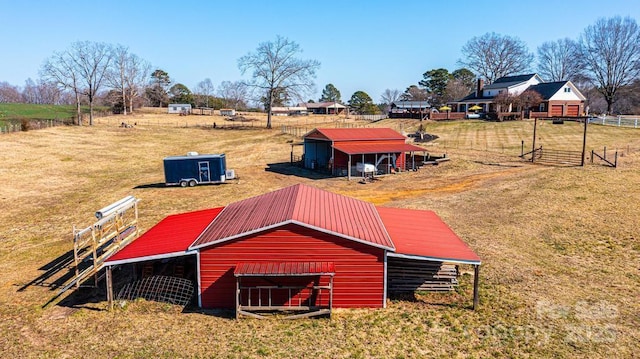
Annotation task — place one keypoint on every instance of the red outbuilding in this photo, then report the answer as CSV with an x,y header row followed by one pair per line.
x,y
345,151
306,249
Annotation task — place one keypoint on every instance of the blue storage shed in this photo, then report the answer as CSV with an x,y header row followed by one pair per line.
x,y
194,169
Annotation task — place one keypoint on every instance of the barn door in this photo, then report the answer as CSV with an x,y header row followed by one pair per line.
x,y
205,174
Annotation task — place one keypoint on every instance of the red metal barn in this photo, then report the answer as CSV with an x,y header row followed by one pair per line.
x,y
339,150
303,248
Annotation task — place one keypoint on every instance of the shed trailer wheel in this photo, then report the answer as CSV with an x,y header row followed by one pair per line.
x,y
192,183
183,183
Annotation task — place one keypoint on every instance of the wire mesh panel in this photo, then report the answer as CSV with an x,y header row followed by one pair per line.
x,y
158,288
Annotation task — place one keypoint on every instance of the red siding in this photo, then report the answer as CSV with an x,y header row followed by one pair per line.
x,y
358,282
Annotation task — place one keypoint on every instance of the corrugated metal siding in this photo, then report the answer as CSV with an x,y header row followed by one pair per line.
x,y
283,268
359,268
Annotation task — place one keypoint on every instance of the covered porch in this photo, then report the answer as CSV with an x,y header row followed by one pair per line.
x,y
300,289
375,159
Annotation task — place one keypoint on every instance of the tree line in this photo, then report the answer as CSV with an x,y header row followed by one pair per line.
x,y
604,63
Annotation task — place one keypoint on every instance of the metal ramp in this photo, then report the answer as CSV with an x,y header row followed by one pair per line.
x,y
117,226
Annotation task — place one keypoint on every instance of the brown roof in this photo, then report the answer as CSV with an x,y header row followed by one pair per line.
x,y
300,204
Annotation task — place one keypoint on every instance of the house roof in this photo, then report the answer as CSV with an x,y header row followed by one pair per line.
x,y
278,269
353,148
303,205
322,105
411,104
548,89
169,238
356,134
428,237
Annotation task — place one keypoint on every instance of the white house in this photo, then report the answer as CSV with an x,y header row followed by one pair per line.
x,y
180,108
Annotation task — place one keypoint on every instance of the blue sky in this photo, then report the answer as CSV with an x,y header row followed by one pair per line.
x,y
362,45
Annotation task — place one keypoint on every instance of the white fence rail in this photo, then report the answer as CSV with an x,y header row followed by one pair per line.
x,y
616,121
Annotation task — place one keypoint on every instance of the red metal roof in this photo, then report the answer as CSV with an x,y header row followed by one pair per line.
x,y
269,269
304,205
418,233
354,148
170,237
357,134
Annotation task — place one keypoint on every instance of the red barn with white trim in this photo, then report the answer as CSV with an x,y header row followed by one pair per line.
x,y
300,245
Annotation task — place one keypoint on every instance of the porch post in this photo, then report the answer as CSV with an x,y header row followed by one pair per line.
x,y
584,141
476,273
349,169
533,150
237,297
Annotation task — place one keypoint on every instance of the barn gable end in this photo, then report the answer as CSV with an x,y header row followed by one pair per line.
x,y
359,278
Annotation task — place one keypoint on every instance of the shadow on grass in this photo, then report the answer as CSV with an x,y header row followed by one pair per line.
x,y
289,169
163,185
439,299
56,273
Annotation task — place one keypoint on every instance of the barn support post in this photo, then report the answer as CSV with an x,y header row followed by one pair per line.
x,y
349,169
584,142
476,279
238,297
109,280
363,172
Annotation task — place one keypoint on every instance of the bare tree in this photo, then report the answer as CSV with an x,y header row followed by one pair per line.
x,y
275,66
493,56
92,60
234,93
455,90
9,93
415,93
204,90
60,69
127,74
559,60
610,50
117,72
136,74
388,97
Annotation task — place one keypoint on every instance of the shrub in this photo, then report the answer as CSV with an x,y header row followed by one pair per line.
x,y
25,124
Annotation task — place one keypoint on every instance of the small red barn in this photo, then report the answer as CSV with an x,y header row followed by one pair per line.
x,y
339,150
300,247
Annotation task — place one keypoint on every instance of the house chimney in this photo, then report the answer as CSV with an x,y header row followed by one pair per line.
x,y
479,89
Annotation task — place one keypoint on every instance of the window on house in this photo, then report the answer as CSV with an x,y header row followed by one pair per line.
x,y
567,89
499,92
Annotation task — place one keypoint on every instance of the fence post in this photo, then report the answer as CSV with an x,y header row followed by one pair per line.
x,y
636,124
619,118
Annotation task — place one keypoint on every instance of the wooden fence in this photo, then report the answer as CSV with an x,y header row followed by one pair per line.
x,y
447,116
29,125
370,117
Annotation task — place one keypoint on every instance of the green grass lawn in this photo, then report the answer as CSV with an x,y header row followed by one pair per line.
x,y
11,112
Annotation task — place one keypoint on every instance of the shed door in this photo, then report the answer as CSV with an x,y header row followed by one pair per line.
x,y
556,110
203,169
573,110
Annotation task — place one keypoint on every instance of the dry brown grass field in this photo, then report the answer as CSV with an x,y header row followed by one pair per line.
x,y
560,245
